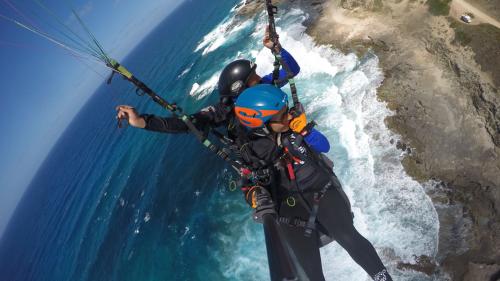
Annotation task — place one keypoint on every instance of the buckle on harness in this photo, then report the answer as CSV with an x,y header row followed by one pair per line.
x,y
290,201
311,223
293,222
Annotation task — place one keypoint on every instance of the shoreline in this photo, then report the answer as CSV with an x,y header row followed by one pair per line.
x,y
442,82
444,98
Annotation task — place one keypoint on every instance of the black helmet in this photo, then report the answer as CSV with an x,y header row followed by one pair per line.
x,y
234,77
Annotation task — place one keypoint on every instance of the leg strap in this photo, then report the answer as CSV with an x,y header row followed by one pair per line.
x,y
294,222
311,223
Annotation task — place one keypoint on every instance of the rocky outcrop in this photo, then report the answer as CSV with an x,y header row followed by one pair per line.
x,y
482,272
453,126
441,82
251,7
366,4
449,114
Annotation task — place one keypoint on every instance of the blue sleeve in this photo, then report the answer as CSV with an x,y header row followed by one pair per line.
x,y
292,64
317,141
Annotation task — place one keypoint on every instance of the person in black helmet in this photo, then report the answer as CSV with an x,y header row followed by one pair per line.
x,y
234,78
240,74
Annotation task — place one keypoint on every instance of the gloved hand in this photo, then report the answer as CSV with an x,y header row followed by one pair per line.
x,y
250,196
297,109
268,43
298,123
208,109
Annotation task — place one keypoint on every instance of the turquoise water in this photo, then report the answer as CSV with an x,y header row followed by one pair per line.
x,y
126,204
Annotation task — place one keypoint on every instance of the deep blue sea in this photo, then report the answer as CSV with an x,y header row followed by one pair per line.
x,y
128,204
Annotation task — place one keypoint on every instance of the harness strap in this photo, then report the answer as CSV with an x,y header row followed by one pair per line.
x,y
294,222
298,222
311,225
276,72
312,218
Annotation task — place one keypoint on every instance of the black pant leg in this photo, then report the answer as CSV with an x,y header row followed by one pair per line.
x,y
335,215
305,249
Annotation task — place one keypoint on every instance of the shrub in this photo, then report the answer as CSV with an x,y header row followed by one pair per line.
x,y
439,7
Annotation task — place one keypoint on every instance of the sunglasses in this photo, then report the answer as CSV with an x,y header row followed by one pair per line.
x,y
280,117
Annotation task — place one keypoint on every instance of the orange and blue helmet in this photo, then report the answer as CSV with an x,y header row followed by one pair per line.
x,y
258,104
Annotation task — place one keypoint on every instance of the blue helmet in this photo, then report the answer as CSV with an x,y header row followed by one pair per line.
x,y
258,104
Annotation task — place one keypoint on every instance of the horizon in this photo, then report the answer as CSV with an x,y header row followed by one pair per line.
x,y
25,151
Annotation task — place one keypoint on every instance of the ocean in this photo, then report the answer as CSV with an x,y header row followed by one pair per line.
x,y
128,204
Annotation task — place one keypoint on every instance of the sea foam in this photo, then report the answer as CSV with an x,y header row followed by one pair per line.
x,y
339,92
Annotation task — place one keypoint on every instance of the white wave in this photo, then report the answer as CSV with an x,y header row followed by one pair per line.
x,y
200,91
238,6
339,92
312,59
391,210
221,34
194,88
185,71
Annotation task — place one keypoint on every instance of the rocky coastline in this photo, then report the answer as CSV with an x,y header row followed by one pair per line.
x,y
442,81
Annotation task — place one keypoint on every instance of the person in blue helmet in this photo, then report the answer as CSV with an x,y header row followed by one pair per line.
x,y
311,206
234,78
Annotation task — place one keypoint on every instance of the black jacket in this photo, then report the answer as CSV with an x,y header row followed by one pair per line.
x,y
281,152
213,116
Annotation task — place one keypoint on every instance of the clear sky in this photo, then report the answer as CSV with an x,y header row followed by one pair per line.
x,y
43,87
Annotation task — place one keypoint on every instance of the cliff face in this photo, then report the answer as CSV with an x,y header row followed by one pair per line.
x,y
442,82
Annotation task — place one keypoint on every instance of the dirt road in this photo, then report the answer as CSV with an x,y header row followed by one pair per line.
x,y
460,7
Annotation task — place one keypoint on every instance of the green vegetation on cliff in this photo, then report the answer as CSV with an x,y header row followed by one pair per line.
x,y
483,39
439,7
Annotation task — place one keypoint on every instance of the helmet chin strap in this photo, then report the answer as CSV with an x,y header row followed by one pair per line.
x,y
227,101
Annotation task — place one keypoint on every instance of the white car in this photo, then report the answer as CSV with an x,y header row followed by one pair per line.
x,y
466,18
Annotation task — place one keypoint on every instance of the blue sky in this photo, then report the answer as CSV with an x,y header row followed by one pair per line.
x,y
43,87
